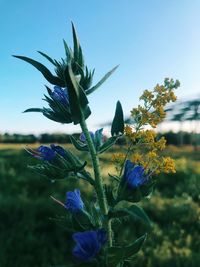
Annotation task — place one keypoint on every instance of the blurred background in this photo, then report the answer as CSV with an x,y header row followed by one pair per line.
x,y
151,40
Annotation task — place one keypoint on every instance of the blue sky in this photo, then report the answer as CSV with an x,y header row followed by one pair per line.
x,y
150,39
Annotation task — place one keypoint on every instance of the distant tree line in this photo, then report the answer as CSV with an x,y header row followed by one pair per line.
x,y
31,138
181,138
178,139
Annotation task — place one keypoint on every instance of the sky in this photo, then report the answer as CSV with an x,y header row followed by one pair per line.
x,y
150,39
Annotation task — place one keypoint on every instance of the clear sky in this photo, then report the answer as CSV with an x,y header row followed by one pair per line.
x,y
150,39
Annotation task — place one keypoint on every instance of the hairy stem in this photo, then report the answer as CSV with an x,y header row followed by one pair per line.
x,y
98,179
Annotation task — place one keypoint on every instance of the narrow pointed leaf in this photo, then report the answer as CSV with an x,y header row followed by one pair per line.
x,y
105,77
134,211
78,145
33,110
78,56
118,254
68,51
76,43
47,57
140,214
118,121
46,73
116,178
108,144
77,98
98,138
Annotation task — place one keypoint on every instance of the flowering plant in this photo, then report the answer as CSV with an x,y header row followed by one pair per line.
x,y
94,239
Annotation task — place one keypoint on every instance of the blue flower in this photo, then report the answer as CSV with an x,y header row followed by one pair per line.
x,y
44,153
74,202
88,244
60,95
47,153
58,149
83,138
134,175
97,136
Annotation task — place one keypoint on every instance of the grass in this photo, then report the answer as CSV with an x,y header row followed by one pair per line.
x,y
29,237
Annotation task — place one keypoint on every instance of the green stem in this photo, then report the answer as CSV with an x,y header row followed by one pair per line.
x,y
126,156
98,179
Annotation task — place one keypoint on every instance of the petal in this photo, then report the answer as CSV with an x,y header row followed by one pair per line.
x,y
135,176
58,149
57,89
128,168
101,236
74,202
81,254
82,137
88,242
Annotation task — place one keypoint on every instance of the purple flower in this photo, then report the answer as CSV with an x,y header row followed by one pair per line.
x,y
58,149
83,138
61,95
97,136
47,153
134,175
74,202
44,153
88,244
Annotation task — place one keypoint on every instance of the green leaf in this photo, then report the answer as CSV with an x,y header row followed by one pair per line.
x,y
47,57
110,195
74,163
77,97
108,144
33,110
105,77
115,177
78,56
98,138
134,211
139,214
78,145
46,73
68,51
118,121
86,78
147,189
118,254
96,215
82,220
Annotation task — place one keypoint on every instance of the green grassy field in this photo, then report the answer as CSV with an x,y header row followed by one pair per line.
x,y
31,237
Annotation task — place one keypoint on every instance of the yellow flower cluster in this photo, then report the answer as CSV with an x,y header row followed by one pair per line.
x,y
153,163
152,112
145,138
168,165
129,132
136,158
144,144
118,158
160,144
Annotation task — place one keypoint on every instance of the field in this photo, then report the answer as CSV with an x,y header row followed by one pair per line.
x,y
32,237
